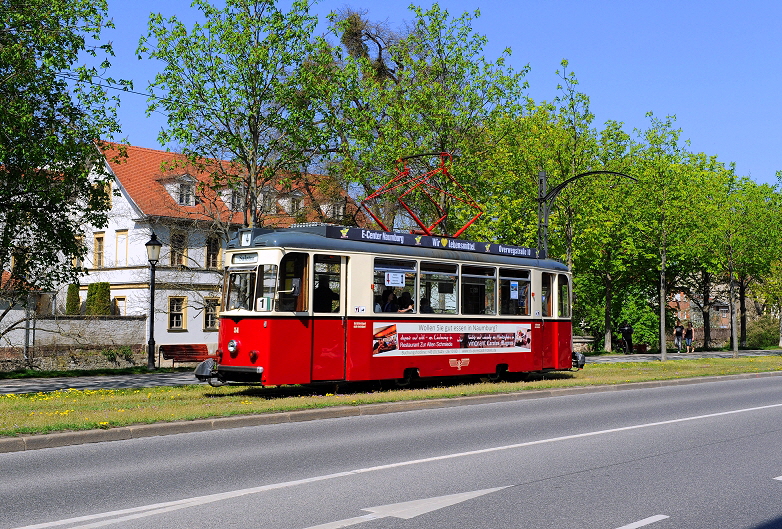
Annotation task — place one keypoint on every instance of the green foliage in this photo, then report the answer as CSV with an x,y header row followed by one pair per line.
x,y
124,352
50,117
763,332
73,302
429,90
98,299
238,87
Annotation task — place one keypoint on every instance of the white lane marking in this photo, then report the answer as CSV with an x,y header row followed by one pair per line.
x,y
645,521
348,522
407,509
779,478
187,502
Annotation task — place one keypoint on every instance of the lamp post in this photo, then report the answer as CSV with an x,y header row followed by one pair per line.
x,y
153,255
546,201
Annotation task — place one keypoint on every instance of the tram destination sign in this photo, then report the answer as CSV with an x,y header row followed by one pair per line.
x,y
445,243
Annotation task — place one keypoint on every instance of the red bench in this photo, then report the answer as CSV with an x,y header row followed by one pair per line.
x,y
185,352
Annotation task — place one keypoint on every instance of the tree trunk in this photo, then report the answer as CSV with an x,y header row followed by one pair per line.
x,y
663,299
706,309
780,329
743,310
608,338
732,303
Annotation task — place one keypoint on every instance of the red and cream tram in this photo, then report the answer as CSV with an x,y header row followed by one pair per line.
x,y
324,303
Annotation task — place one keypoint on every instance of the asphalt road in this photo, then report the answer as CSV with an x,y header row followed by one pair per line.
x,y
692,456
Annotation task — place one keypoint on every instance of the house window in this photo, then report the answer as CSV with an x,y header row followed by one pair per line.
x,y
210,313
213,252
178,249
186,194
293,204
97,255
176,313
723,313
78,262
268,202
122,248
237,199
120,306
333,211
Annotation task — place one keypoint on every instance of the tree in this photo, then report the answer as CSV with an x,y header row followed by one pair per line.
x,y
663,226
73,302
237,88
751,242
53,113
98,299
426,90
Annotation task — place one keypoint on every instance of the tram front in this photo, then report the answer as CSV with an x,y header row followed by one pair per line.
x,y
264,303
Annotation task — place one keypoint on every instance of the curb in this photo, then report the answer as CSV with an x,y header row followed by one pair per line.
x,y
37,442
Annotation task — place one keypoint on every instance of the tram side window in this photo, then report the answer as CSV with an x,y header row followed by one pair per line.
x,y
546,293
514,292
397,277
267,275
292,287
241,286
478,295
439,287
325,296
563,307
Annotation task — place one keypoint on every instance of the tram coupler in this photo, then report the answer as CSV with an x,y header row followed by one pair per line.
x,y
207,372
578,360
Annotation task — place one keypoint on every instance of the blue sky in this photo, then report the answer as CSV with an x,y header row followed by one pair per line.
x,y
716,65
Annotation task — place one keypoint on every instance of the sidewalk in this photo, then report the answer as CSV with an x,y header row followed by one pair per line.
x,y
676,356
35,385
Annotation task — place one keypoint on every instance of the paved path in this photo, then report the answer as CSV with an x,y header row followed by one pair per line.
x,y
34,385
675,356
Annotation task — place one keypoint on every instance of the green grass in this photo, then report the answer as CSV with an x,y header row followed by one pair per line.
x,y
89,409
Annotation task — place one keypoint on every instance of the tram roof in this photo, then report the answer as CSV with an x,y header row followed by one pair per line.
x,y
322,238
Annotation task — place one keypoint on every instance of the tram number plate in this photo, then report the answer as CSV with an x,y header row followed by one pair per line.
x,y
263,304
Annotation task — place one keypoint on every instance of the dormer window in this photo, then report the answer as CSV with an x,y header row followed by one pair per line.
x,y
237,199
268,202
186,194
293,203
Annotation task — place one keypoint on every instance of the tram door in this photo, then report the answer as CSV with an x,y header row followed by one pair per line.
x,y
329,305
549,335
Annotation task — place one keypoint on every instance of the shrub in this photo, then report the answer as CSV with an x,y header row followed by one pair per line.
x,y
73,301
126,352
763,332
110,354
98,299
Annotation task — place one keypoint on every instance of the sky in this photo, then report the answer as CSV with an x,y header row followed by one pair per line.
x,y
714,64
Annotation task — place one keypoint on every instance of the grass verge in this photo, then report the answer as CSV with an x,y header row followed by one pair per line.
x,y
106,408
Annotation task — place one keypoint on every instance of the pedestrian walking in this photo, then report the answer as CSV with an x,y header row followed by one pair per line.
x,y
627,335
689,334
678,334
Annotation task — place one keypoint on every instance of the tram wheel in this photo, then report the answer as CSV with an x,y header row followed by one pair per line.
x,y
405,381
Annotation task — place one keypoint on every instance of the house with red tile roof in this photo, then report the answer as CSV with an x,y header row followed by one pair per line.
x,y
158,191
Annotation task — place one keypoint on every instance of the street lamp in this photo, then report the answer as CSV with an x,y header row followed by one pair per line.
x,y
546,201
153,255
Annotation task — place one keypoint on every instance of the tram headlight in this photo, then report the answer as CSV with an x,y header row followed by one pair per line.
x,y
233,346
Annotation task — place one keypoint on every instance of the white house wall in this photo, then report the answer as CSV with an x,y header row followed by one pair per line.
x,y
128,273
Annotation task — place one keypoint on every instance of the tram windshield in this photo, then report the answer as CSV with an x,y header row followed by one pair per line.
x,y
242,292
241,287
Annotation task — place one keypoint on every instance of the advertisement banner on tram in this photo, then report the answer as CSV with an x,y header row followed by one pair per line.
x,y
412,339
